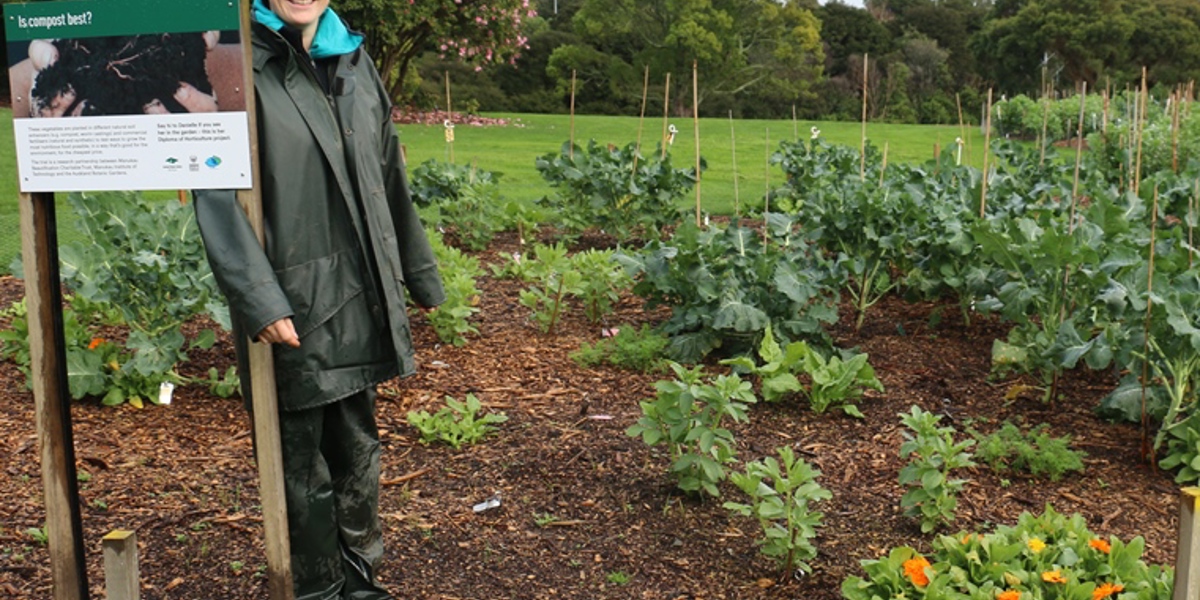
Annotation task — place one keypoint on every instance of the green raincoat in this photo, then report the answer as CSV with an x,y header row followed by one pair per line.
x,y
343,240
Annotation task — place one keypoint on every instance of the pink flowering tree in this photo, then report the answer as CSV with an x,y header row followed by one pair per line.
x,y
478,32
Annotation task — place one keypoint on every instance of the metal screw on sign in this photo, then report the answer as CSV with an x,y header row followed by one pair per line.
x,y
671,131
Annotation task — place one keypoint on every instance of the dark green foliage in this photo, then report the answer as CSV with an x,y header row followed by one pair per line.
x,y
434,182
726,284
1033,451
631,348
462,199
600,188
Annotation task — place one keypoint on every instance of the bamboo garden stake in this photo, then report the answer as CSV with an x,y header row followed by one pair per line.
x,y
1141,129
766,181
795,129
987,146
1178,97
696,135
666,115
963,127
637,148
1146,451
1193,206
571,146
1078,157
1043,140
862,161
737,205
449,124
883,169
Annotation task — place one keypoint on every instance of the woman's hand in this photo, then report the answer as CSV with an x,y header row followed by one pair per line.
x,y
279,332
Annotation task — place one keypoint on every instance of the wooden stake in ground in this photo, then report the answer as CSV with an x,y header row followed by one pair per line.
x,y
666,115
1078,156
766,181
1147,451
52,397
962,130
1043,140
268,444
1104,119
795,129
121,565
737,205
571,147
862,162
1141,127
637,148
1178,99
449,121
883,169
696,135
987,152
1187,555
1194,205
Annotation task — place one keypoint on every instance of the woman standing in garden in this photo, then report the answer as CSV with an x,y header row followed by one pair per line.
x,y
342,242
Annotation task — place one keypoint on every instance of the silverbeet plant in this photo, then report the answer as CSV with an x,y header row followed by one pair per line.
x,y
686,415
547,297
456,424
833,381
933,454
781,495
450,320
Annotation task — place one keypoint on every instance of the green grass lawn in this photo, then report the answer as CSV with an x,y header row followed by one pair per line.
x,y
511,150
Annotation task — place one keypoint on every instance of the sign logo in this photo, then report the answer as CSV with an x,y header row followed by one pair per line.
x,y
213,162
194,166
172,160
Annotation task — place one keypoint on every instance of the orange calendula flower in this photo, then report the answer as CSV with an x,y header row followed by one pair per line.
x,y
1036,545
1009,595
966,539
1105,590
95,343
1100,545
1055,576
914,569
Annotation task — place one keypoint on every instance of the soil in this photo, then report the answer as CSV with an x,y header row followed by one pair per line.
x,y
586,512
123,75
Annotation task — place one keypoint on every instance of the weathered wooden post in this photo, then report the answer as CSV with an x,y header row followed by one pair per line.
x,y
121,565
1187,554
52,396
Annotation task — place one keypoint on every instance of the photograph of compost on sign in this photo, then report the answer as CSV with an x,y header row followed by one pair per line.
x,y
121,95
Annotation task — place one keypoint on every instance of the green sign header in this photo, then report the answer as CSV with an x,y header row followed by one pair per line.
x,y
102,18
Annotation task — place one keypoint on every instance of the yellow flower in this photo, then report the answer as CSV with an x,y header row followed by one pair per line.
x,y
1105,590
1055,576
1036,545
914,569
1009,595
1100,545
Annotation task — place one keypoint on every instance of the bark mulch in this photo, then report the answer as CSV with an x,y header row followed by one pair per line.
x,y
586,512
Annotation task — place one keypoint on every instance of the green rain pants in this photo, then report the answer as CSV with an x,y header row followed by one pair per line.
x,y
331,481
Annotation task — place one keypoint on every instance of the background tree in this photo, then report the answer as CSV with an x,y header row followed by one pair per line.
x,y
477,32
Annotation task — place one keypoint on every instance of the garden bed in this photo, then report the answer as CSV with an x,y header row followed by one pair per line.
x,y
586,511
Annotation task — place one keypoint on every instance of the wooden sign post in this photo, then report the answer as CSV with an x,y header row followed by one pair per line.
x,y
52,396
47,347
262,374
